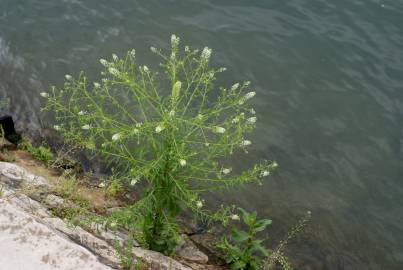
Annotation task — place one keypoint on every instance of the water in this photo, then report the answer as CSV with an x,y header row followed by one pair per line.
x,y
329,77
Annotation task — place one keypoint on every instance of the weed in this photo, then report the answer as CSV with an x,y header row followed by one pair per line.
x,y
170,128
41,153
246,252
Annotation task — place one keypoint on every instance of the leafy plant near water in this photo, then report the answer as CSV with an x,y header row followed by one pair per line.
x,y
42,152
246,252
171,128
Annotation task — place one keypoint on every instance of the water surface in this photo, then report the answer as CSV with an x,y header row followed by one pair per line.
x,y
329,77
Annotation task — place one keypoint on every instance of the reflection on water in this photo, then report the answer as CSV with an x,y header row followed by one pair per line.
x,y
329,75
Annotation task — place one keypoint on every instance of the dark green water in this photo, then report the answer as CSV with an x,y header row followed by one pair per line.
x,y
329,77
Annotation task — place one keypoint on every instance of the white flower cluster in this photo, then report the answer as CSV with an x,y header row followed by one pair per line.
x,y
235,217
251,120
235,120
246,97
44,94
264,173
206,53
182,162
133,53
114,71
134,181
199,204
68,77
235,87
159,128
103,62
175,41
86,127
116,137
218,130
245,143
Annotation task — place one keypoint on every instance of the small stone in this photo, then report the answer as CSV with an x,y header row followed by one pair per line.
x,y
54,201
188,251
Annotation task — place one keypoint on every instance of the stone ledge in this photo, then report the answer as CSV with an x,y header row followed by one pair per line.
x,y
102,255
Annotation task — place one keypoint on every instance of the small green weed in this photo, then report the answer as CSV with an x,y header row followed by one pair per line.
x,y
114,187
41,153
169,127
125,254
67,185
246,251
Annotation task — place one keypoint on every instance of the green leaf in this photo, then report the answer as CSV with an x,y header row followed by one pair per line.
x,y
253,265
238,265
239,236
257,247
248,218
262,224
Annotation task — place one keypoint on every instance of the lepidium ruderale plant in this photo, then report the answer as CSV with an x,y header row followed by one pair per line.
x,y
170,128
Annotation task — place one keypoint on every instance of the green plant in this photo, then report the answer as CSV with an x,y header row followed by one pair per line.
x,y
125,254
1,191
114,186
171,128
67,185
41,153
246,252
277,256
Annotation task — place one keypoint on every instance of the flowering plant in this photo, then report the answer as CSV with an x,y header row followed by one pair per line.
x,y
170,128
245,249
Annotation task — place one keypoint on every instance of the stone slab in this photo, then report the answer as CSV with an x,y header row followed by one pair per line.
x,y
26,244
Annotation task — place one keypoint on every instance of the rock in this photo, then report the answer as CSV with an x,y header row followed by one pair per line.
x,y
54,201
157,260
18,174
7,124
106,253
6,145
28,205
50,244
110,236
188,251
29,244
189,226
